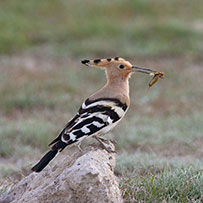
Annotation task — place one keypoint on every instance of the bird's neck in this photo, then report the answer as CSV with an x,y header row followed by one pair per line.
x,y
118,85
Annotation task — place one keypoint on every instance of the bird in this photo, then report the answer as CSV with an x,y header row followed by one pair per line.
x,y
101,111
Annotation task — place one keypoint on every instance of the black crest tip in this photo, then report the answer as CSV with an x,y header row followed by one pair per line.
x,y
85,61
97,60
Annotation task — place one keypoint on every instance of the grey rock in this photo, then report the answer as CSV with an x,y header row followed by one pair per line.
x,y
84,177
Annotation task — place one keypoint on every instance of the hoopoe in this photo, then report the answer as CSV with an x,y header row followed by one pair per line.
x,y
99,113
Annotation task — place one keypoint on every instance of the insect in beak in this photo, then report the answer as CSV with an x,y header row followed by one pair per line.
x,y
156,75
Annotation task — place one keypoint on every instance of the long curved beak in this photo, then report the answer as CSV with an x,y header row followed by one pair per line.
x,y
142,70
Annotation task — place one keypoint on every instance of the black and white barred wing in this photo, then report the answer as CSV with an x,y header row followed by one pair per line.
x,y
94,118
85,126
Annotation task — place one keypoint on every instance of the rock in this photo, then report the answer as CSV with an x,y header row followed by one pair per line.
x,y
83,177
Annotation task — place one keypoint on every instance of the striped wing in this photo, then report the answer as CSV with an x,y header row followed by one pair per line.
x,y
93,118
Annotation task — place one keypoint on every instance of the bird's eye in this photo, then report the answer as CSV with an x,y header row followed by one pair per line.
x,y
121,66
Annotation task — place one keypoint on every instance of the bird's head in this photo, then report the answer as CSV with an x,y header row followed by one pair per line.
x,y
116,67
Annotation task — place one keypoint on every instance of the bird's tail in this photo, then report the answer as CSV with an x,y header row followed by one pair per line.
x,y
59,146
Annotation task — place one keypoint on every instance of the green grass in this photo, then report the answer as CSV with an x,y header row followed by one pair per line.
x,y
151,177
180,185
141,162
48,93
24,134
161,130
77,28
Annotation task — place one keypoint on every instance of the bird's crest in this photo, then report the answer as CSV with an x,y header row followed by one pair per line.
x,y
125,66
104,62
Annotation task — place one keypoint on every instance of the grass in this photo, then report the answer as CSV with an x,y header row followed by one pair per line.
x,y
154,178
144,28
21,133
159,141
161,131
143,162
181,185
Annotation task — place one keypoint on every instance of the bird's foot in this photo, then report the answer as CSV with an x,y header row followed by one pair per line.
x,y
108,149
113,141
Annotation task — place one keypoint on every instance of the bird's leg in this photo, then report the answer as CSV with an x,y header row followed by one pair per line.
x,y
102,139
106,140
108,149
79,147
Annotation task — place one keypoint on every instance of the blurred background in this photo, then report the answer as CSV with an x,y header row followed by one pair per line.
x,y
43,83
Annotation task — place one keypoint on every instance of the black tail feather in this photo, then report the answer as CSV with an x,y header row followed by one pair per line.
x,y
44,161
49,156
59,146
